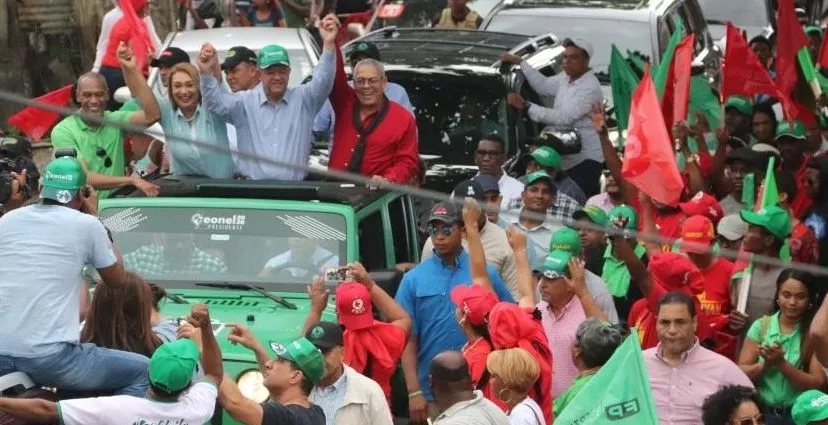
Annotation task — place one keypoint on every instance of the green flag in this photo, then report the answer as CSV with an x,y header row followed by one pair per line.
x,y
704,100
637,60
809,71
770,194
663,72
619,394
623,82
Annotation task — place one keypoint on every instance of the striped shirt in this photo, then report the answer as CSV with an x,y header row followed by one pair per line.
x,y
560,330
330,398
279,131
150,260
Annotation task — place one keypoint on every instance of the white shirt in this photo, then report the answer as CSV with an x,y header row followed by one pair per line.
x,y
527,412
510,190
109,21
195,406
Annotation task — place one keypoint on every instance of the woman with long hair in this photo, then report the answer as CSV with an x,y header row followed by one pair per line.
x,y
775,355
733,405
120,317
513,373
264,13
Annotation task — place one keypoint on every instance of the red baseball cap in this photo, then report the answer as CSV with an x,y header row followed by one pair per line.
x,y
353,306
474,301
703,204
675,272
697,233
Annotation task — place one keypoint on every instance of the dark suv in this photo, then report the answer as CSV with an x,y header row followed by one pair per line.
x,y
458,88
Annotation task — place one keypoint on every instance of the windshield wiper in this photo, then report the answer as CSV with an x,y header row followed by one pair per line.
x,y
178,299
248,287
715,22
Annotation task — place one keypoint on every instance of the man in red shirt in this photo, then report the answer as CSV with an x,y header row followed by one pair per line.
x,y
698,236
374,136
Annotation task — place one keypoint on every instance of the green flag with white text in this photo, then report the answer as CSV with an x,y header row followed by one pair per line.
x,y
619,394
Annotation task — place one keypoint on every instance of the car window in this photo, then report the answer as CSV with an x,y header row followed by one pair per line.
x,y
401,230
743,13
372,242
454,111
602,33
180,246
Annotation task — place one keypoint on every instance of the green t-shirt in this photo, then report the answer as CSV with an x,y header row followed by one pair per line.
x,y
773,387
615,273
577,385
102,148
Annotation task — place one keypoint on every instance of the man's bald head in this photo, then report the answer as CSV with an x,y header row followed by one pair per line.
x,y
92,78
449,367
92,93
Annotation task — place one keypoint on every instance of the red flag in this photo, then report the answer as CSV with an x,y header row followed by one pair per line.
x,y
649,161
675,107
35,122
744,74
790,40
140,41
822,60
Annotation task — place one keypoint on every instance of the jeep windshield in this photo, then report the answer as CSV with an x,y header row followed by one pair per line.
x,y
275,249
454,110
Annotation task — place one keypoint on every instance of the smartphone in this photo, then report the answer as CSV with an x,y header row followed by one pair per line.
x,y
66,152
336,274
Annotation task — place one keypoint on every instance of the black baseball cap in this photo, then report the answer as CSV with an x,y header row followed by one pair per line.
x,y
365,48
325,335
487,182
445,212
469,188
237,55
169,57
745,154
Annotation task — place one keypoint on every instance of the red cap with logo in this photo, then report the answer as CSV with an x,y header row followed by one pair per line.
x,y
353,306
474,301
675,272
697,233
703,204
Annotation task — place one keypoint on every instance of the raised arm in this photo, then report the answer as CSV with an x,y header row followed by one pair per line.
x,y
238,406
386,305
210,351
525,281
242,335
577,284
318,294
540,83
322,82
213,97
150,112
477,257
599,122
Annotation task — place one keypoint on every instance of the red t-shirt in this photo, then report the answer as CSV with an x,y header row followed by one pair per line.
x,y
803,244
716,296
802,201
669,225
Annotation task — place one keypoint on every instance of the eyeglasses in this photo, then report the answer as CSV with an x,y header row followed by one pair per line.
x,y
483,152
437,229
367,82
756,420
101,153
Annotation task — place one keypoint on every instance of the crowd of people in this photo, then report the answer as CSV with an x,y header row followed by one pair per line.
x,y
526,287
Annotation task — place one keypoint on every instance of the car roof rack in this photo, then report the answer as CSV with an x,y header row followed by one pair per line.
x,y
309,190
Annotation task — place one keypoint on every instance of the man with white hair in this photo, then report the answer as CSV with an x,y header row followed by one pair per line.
x,y
375,136
576,92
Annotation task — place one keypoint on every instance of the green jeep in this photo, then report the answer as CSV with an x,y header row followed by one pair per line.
x,y
230,244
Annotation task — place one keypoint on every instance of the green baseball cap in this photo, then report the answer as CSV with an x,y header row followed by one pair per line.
x,y
740,103
305,355
537,176
794,130
62,179
593,213
172,365
566,239
555,265
812,30
273,54
624,211
547,157
772,218
810,406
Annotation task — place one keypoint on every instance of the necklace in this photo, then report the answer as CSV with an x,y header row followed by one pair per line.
x,y
468,347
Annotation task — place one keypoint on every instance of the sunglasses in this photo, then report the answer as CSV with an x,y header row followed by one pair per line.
x,y
101,153
438,229
756,420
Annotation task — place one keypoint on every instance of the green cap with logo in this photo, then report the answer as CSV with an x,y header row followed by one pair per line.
x,y
272,55
593,213
547,157
172,365
624,212
63,178
555,265
567,240
305,355
740,103
537,176
774,219
795,130
810,406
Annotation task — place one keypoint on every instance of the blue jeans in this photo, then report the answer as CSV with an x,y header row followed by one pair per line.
x,y
85,367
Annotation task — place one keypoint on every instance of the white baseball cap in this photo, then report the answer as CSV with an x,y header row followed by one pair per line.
x,y
581,44
732,227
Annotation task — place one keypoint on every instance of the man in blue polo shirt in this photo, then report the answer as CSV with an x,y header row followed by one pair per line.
x,y
424,294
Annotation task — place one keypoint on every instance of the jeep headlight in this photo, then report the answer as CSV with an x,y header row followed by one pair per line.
x,y
251,385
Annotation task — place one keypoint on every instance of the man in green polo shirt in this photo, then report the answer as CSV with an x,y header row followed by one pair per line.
x,y
101,147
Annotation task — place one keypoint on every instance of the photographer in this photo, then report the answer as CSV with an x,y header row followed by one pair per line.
x,y
18,173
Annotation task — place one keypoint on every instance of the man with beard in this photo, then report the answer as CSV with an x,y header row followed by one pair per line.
x,y
790,139
489,158
101,147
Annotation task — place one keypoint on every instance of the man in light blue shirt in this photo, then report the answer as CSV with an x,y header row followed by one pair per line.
x,y
323,124
272,120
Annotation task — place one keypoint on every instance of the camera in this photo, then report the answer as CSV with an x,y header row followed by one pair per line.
x,y
16,156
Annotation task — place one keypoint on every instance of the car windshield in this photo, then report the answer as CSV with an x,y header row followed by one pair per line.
x,y
744,13
626,35
454,112
276,249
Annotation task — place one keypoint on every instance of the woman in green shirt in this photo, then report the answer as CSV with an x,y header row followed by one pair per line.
x,y
774,356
